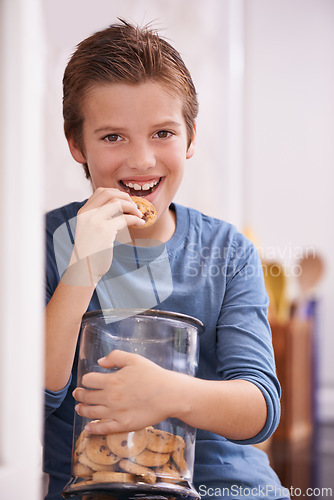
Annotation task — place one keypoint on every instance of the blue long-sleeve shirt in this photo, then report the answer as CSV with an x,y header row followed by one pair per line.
x,y
207,270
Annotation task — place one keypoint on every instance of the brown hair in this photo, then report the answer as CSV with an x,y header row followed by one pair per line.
x,y
124,53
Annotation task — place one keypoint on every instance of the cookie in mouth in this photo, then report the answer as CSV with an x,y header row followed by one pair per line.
x,y
147,209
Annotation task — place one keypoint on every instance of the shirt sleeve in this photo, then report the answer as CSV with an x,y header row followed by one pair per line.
x,y
54,399
244,342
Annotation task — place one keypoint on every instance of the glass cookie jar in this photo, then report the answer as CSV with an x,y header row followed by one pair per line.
x,y
153,462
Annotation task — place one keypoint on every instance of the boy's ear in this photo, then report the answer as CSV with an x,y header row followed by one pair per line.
x,y
75,151
191,148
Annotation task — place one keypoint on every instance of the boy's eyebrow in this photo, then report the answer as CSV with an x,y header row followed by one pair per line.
x,y
167,124
107,128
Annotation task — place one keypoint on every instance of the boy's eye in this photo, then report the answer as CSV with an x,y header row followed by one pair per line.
x,y
163,134
112,138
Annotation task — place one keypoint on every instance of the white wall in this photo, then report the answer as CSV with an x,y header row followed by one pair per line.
x,y
21,249
265,146
289,144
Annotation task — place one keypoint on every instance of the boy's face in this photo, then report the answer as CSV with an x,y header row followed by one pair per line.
x,y
135,136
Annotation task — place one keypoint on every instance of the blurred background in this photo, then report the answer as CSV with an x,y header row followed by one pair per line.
x,y
264,72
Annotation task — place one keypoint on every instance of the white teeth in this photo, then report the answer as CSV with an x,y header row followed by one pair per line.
x,y
144,187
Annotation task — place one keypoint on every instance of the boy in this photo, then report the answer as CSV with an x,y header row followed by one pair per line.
x,y
129,117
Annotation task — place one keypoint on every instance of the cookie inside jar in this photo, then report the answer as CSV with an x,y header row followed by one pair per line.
x,y
148,456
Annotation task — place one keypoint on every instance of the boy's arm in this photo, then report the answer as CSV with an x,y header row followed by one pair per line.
x,y
235,409
62,325
105,213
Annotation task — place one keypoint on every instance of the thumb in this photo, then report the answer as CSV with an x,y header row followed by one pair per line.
x,y
116,359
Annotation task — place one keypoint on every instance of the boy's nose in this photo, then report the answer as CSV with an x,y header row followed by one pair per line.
x,y
141,157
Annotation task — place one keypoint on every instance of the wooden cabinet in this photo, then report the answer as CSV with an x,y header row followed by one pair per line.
x,y
293,346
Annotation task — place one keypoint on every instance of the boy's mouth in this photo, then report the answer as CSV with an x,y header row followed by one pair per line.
x,y
140,188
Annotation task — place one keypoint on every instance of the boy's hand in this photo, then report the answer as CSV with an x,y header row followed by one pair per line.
x,y
127,399
106,212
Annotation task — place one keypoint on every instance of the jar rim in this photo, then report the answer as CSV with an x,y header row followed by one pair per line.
x,y
127,313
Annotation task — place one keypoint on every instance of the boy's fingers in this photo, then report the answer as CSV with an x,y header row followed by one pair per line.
x,y
117,359
113,200
88,396
101,196
97,380
93,412
105,426
121,221
117,207
94,380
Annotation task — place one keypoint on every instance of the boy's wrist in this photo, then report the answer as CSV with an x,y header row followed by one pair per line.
x,y
177,395
80,274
